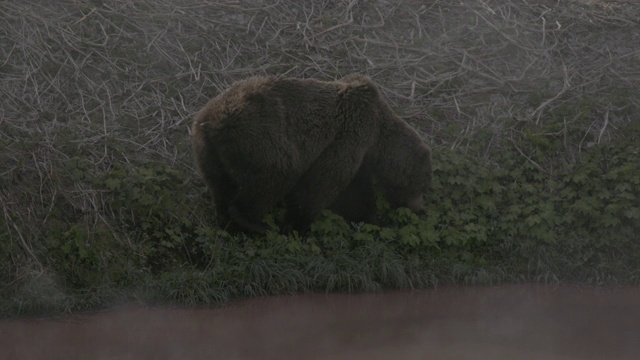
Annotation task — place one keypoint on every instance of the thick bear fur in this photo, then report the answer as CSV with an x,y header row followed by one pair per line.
x,y
309,144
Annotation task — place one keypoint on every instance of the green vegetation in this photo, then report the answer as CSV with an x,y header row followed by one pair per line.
x,y
535,141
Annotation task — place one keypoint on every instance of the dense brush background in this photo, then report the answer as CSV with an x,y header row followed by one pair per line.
x,y
531,108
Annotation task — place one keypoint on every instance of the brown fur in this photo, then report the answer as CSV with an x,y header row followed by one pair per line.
x,y
309,143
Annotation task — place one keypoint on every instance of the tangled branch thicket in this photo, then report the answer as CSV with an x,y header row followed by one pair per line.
x,y
88,87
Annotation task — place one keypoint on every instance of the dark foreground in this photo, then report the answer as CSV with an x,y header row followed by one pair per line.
x,y
507,322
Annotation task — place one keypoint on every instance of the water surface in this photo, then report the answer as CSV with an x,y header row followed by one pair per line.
x,y
506,322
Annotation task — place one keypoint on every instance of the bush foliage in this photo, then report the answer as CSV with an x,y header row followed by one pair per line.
x,y
536,171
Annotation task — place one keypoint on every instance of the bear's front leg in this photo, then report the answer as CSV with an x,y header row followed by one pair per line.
x,y
249,205
357,202
261,189
318,188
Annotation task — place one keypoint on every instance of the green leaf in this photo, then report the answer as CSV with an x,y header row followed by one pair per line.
x,y
112,183
610,221
633,213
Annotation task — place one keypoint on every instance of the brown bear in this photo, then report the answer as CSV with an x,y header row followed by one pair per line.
x,y
310,144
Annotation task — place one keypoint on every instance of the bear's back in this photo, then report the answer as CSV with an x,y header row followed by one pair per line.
x,y
299,111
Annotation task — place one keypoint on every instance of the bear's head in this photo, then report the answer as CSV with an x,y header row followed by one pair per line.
x,y
404,167
407,187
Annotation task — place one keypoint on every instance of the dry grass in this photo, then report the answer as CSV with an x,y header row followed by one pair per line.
x,y
118,81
